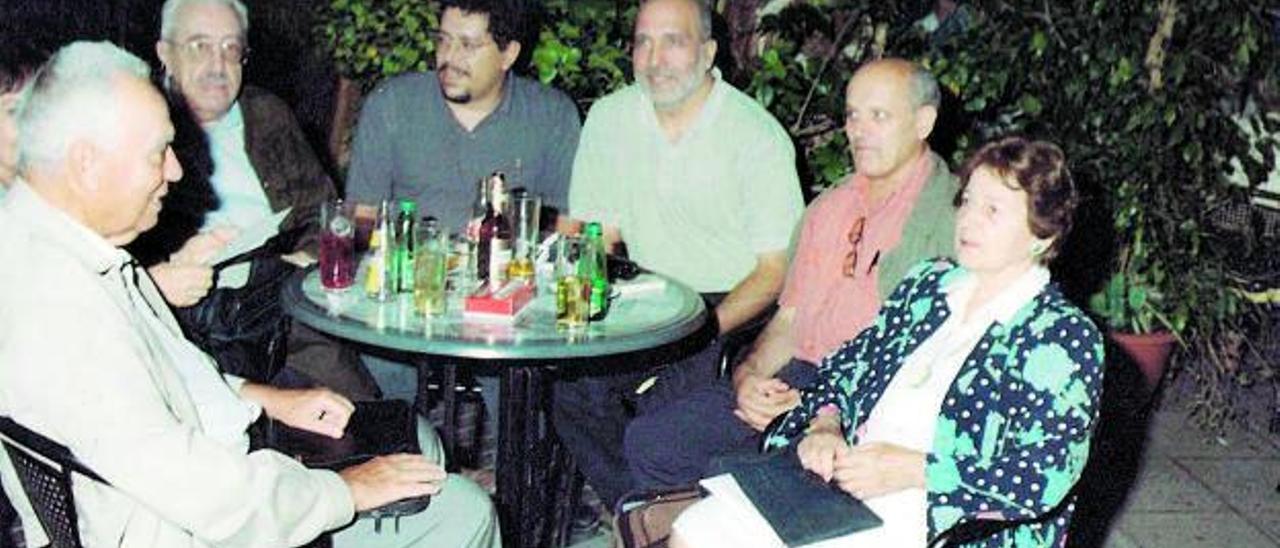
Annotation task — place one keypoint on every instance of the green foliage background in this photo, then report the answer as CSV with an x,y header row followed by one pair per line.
x,y
1148,141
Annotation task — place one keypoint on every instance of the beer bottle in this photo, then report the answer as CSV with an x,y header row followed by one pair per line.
x,y
593,269
406,232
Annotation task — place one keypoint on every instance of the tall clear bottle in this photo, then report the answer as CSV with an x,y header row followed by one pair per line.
x,y
479,210
429,292
593,268
493,250
406,246
378,284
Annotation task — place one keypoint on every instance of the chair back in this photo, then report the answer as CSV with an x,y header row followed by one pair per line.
x,y
44,467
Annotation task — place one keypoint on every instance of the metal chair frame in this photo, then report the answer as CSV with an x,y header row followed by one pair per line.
x,y
45,467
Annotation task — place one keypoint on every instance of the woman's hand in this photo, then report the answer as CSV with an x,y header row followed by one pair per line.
x,y
820,450
872,469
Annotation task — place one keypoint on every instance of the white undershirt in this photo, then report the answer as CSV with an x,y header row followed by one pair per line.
x,y
243,202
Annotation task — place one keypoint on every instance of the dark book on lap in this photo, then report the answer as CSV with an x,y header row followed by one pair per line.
x,y
801,508
375,428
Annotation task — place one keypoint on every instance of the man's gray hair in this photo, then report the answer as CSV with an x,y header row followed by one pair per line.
x,y
924,87
71,98
704,16
169,14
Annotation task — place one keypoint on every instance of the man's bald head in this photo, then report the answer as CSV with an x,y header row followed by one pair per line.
x,y
890,108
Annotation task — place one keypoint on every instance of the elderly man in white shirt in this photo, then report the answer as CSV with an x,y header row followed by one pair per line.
x,y
119,386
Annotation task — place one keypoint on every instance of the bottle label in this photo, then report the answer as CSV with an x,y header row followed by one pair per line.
x,y
499,257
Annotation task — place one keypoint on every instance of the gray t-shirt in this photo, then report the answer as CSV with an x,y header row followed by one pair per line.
x,y
409,145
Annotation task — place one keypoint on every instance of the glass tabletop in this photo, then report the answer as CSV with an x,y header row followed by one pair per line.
x,y
644,313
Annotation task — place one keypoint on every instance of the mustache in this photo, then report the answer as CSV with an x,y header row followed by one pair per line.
x,y
661,73
214,79
449,67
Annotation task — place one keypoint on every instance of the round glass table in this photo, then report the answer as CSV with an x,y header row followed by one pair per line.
x,y
647,316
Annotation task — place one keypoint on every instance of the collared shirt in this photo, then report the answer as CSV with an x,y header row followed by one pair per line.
x,y
702,209
409,145
91,357
832,307
242,202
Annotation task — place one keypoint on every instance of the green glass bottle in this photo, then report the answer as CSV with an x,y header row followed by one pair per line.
x,y
593,269
406,245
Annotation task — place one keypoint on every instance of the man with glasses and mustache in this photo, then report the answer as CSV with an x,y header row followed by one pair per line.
x,y
699,181
857,241
246,160
429,136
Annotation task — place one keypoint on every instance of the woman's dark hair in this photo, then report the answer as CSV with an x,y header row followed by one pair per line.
x,y
19,61
1038,168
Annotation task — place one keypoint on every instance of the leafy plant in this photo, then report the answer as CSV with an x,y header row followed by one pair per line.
x,y
1142,97
371,40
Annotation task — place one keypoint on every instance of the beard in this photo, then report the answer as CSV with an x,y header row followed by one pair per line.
x,y
685,85
461,96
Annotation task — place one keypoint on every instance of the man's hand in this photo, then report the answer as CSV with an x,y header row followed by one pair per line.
x,y
318,410
187,277
762,399
873,469
300,259
182,284
203,247
390,478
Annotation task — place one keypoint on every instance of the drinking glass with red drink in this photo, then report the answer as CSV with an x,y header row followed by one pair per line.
x,y
337,245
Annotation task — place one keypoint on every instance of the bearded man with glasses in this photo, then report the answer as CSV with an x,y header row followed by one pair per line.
x,y
857,241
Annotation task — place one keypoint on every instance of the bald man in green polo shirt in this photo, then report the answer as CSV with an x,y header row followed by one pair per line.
x,y
699,181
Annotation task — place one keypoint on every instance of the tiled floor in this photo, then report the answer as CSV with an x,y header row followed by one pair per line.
x,y
1195,489
1175,486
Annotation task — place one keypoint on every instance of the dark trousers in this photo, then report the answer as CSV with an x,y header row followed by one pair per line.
x,y
675,444
591,414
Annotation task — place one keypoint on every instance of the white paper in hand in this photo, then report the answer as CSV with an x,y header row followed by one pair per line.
x,y
247,239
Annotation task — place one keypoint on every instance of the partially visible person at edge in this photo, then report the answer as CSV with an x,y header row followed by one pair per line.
x,y
119,386
19,61
857,241
973,395
699,181
246,160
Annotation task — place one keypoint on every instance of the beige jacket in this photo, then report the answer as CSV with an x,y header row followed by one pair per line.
x,y
80,363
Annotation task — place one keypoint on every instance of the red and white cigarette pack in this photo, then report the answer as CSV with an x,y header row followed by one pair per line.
x,y
501,305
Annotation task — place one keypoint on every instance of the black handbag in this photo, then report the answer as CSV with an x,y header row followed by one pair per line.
x,y
245,328
376,428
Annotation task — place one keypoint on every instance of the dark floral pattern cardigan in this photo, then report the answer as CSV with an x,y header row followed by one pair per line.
x,y
1013,435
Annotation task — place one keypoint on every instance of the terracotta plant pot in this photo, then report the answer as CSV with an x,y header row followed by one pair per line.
x,y
1150,351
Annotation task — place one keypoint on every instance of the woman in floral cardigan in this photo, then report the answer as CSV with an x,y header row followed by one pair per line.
x,y
974,394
